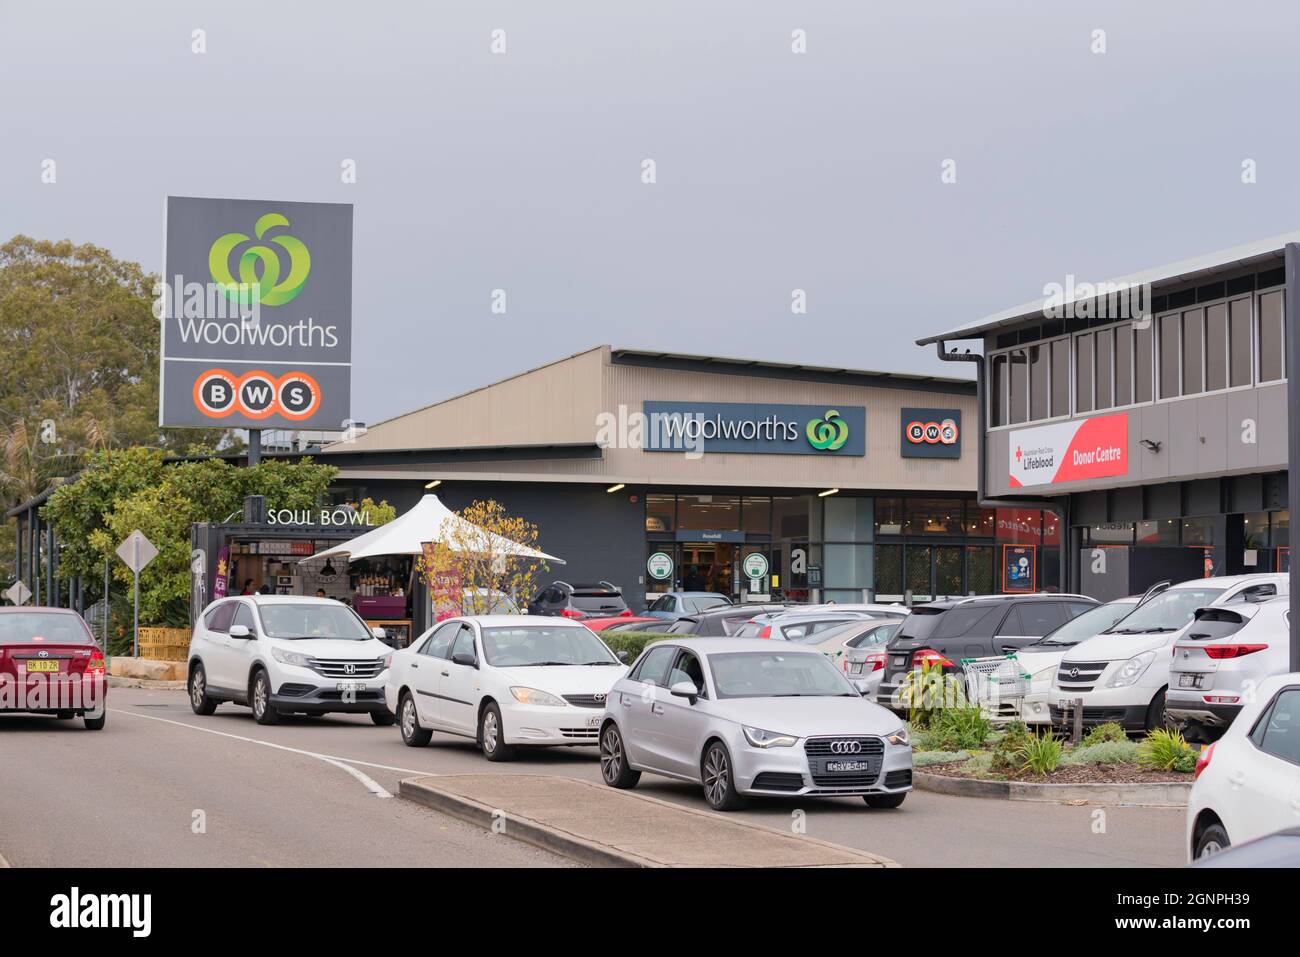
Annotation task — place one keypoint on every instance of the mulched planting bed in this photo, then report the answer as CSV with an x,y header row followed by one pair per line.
x,y
1070,774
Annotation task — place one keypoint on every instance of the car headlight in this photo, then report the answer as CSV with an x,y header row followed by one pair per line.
x,y
386,662
1132,670
900,737
759,738
534,696
291,658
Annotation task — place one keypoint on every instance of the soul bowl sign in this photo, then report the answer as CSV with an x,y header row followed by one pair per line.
x,y
756,565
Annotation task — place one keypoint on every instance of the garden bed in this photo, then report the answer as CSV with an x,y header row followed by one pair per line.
x,y
1066,774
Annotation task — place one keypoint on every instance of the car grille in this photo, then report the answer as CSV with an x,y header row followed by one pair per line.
x,y
778,781
1084,680
338,667
821,751
352,696
899,779
581,734
586,700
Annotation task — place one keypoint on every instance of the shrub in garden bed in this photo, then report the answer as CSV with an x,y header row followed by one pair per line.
x,y
1041,754
923,759
1103,752
958,729
1110,731
1167,751
633,642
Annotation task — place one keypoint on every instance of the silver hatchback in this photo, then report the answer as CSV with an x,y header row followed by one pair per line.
x,y
750,717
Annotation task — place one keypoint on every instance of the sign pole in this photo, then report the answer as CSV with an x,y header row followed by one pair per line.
x,y
104,626
1292,366
135,627
254,447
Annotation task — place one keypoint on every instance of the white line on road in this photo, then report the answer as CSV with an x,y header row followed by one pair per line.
x,y
370,783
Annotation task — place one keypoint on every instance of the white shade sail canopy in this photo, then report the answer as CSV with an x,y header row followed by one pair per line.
x,y
405,534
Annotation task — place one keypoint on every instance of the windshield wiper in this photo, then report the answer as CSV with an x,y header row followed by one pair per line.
x,y
598,663
1140,631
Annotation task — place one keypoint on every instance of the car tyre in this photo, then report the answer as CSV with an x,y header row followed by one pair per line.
x,y
1155,718
200,701
884,800
96,724
614,768
1212,840
717,774
385,718
413,736
490,734
263,711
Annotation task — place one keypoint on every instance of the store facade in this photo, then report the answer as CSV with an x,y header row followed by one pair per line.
x,y
1160,431
660,472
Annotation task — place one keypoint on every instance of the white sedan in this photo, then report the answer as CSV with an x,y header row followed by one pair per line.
x,y
503,680
1248,782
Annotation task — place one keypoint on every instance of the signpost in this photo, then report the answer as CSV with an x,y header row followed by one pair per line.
x,y
660,566
756,567
137,551
18,592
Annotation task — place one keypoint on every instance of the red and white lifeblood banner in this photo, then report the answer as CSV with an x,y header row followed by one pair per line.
x,y
1070,451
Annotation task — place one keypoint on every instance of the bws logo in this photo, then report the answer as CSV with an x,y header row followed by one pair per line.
x,y
256,394
829,433
259,266
932,433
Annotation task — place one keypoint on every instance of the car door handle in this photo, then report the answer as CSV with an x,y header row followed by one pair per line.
x,y
446,674
626,700
415,664
657,708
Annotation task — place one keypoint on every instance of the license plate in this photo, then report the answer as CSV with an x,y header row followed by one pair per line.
x,y
1189,681
848,766
33,666
345,686
855,669
900,661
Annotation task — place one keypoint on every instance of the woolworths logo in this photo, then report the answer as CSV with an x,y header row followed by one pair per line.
x,y
260,266
829,433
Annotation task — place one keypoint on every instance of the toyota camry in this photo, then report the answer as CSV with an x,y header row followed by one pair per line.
x,y
747,717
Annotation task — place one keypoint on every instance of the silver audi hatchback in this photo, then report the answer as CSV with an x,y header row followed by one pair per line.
x,y
751,717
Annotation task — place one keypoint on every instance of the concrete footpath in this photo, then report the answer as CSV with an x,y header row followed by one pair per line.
x,y
604,827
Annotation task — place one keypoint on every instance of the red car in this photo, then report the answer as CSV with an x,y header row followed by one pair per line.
x,y
600,624
49,664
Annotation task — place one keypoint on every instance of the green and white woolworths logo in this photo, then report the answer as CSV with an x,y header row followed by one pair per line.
x,y
829,433
259,266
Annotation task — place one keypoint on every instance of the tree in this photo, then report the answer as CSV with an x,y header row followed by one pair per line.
x,y
478,550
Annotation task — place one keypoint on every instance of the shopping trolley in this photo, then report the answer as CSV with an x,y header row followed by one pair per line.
x,y
997,684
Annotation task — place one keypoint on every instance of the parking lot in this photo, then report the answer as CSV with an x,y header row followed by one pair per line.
x,y
162,786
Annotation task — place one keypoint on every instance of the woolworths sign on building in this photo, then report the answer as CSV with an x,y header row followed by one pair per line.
x,y
256,310
755,428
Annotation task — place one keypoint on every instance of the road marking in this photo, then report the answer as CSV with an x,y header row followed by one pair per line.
x,y
368,782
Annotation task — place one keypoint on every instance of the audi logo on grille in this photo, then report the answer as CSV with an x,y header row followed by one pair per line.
x,y
846,747
349,669
1074,672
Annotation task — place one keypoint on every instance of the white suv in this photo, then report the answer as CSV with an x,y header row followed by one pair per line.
x,y
1122,674
281,654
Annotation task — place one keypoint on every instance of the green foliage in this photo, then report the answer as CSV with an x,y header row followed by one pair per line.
x,y
1167,750
1005,757
963,728
1041,754
923,759
925,691
1110,731
1103,752
380,513
633,642
134,488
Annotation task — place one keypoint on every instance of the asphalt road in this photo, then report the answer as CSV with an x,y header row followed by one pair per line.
x,y
304,793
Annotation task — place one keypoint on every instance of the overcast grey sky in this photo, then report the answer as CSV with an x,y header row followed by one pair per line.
x,y
775,170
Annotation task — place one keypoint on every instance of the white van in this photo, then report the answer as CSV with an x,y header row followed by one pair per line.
x,y
1122,674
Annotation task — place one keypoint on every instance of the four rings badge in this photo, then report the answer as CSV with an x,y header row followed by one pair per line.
x,y
846,747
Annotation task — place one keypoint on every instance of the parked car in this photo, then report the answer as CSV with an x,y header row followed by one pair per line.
x,y
51,665
1122,674
751,717
675,604
579,602
1041,659
652,625
479,601
1248,782
944,632
1279,849
284,654
720,622
620,623
1222,657
797,624
503,681
863,654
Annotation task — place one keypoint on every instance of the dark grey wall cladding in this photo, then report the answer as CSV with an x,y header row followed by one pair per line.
x,y
600,535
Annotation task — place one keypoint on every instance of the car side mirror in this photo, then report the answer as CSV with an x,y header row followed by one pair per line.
x,y
240,631
464,658
621,656
379,633
685,689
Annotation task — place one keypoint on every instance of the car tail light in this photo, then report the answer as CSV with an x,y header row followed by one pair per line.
x,y
874,662
570,613
1220,652
96,665
625,613
928,656
1203,761
765,631
1221,698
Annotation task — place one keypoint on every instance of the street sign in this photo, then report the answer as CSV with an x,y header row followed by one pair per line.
x,y
660,566
18,593
137,551
755,565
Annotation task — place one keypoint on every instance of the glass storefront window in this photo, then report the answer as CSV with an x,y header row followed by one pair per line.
x,y
889,516
1280,533
756,514
1162,532
980,521
659,510
848,566
1198,531
848,519
1111,533
1255,530
720,512
790,516
889,572
934,516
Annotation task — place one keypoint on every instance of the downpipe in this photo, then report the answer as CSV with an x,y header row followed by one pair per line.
x,y
1060,509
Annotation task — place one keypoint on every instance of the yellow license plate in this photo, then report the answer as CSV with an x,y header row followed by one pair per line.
x,y
42,666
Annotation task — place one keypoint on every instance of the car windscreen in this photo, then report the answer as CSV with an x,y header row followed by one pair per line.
x,y
1168,611
521,646
324,620
25,627
590,601
875,635
763,674
705,602
1090,623
921,622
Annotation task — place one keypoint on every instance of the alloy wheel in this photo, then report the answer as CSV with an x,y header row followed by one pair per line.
x,y
260,691
611,756
716,775
196,688
408,718
489,731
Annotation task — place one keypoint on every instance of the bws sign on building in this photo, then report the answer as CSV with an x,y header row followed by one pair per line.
x,y
256,308
931,434
755,428
1070,451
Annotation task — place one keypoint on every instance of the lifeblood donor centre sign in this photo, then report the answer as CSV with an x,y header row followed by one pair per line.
x,y
1070,451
